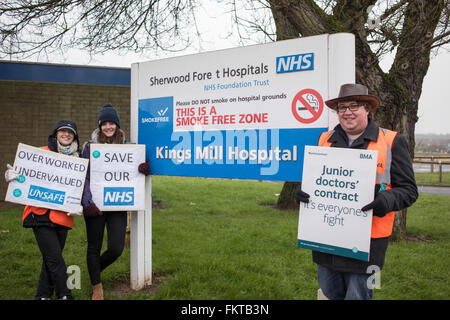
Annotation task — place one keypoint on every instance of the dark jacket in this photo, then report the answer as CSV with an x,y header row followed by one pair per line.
x,y
402,195
37,220
86,200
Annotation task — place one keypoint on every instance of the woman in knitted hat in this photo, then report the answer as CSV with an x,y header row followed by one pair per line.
x,y
50,226
108,131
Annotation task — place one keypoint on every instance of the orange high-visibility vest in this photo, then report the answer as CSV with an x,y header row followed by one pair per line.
x,y
56,216
381,226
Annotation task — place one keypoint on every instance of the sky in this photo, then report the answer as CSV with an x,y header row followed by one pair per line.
x,y
434,104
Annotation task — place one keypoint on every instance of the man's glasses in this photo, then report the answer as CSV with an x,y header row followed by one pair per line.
x,y
352,108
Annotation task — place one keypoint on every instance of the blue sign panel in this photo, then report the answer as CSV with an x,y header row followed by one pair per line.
x,y
266,154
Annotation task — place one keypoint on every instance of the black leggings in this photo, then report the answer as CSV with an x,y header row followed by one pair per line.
x,y
53,276
116,225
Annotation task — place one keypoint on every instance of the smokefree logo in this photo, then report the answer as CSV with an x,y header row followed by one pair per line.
x,y
156,111
118,196
296,62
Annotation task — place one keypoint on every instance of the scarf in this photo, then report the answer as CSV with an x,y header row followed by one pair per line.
x,y
70,150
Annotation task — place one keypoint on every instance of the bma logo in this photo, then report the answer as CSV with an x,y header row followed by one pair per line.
x,y
123,196
365,156
296,62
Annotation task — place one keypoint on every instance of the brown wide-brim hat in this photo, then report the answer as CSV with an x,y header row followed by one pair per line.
x,y
354,91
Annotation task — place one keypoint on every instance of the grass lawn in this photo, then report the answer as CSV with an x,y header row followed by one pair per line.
x,y
432,178
221,239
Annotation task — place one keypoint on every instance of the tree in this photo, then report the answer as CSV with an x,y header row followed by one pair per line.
x,y
412,29
32,27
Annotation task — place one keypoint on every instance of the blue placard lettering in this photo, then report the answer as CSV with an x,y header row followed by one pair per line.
x,y
46,195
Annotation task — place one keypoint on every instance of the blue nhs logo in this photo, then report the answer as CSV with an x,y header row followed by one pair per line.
x,y
118,196
296,62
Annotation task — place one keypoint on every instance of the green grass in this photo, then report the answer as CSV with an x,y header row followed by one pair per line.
x,y
432,178
221,239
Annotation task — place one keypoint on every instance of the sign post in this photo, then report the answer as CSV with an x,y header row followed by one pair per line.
x,y
242,113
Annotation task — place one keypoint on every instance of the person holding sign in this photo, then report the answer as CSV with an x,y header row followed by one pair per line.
x,y
50,226
341,277
108,131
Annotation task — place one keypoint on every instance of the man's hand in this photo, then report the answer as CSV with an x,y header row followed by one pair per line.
x,y
301,196
379,205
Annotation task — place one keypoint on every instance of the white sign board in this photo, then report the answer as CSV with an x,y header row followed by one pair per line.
x,y
340,182
47,179
243,113
116,184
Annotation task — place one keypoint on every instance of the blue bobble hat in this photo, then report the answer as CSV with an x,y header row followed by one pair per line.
x,y
108,113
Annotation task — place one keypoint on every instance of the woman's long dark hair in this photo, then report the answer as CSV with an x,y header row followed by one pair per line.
x,y
117,138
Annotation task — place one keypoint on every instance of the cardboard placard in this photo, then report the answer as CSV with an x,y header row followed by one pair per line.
x,y
115,182
47,179
340,182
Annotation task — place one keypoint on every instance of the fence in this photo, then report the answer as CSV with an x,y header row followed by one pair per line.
x,y
436,159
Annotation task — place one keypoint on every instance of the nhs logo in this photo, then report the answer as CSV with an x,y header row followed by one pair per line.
x,y
118,196
296,62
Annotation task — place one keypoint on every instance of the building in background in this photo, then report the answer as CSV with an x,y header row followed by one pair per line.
x,y
34,96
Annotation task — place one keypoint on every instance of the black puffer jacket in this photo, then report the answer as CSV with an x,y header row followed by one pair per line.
x,y
402,195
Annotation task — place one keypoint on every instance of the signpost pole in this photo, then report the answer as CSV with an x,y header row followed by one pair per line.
x,y
141,221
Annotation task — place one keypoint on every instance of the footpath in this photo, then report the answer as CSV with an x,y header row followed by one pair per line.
x,y
440,190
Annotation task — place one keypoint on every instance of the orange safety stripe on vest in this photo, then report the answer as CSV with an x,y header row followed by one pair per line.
x,y
381,226
56,216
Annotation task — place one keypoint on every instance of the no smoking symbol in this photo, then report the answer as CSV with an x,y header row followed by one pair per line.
x,y
307,106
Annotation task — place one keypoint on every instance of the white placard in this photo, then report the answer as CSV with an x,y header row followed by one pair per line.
x,y
115,182
340,182
47,179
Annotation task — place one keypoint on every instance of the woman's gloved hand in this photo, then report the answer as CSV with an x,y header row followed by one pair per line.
x,y
11,174
92,211
144,168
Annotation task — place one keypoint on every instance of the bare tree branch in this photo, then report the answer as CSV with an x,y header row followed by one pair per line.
x,y
31,27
